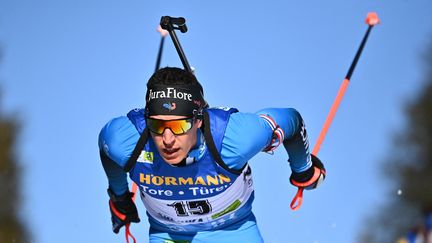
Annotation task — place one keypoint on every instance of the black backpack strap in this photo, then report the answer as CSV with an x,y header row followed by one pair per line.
x,y
212,146
137,150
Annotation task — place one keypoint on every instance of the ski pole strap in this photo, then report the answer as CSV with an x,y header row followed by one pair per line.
x,y
116,212
298,199
129,234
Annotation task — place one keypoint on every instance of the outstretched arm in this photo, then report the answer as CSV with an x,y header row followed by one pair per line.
x,y
117,140
249,133
288,125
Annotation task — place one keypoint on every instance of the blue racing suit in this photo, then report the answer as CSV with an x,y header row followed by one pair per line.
x,y
209,199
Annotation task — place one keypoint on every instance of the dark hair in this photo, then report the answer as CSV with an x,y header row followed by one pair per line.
x,y
173,76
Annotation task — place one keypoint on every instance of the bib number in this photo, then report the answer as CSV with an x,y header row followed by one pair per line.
x,y
186,208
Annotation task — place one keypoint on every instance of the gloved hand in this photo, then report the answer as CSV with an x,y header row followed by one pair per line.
x,y
123,210
311,178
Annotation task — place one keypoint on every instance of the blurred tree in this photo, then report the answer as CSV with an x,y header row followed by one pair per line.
x,y
12,230
409,169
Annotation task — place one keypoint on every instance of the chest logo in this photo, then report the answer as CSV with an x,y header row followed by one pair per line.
x,y
145,157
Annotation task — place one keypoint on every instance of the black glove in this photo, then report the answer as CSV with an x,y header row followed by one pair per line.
x,y
123,210
312,177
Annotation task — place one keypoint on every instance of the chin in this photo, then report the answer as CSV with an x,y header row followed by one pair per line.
x,y
173,161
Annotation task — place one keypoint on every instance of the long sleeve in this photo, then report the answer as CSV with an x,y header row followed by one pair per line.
x,y
245,136
249,133
117,140
295,139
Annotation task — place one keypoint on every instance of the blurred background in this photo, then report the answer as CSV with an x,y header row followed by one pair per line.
x,y
68,67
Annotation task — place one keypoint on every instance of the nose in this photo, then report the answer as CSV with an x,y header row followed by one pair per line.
x,y
168,137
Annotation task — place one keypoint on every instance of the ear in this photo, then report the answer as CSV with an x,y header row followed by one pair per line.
x,y
198,123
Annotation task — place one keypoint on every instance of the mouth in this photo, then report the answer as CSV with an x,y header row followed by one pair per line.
x,y
170,151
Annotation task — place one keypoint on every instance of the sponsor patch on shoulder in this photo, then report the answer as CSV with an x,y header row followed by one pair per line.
x,y
145,157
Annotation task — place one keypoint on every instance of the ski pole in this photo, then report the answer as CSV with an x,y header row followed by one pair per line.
x,y
159,56
170,24
134,186
127,226
371,20
163,31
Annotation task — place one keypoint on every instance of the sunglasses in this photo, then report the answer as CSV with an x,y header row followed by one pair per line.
x,y
178,126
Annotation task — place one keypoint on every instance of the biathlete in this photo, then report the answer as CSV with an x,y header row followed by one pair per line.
x,y
190,162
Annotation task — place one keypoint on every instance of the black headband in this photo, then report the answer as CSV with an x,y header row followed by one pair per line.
x,y
178,100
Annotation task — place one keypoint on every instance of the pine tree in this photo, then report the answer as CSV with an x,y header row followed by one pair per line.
x,y
12,230
409,168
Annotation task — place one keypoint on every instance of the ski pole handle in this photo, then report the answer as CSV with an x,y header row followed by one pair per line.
x,y
171,24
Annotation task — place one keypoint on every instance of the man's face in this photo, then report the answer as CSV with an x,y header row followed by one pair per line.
x,y
174,148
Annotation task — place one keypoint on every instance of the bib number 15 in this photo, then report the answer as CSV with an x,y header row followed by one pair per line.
x,y
186,208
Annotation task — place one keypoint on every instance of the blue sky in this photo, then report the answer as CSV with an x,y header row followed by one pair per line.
x,y
70,66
